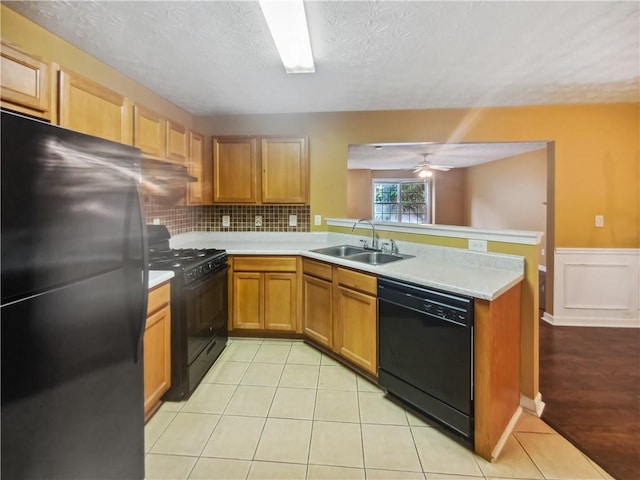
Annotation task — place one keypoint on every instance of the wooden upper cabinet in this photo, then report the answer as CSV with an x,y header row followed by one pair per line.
x,y
235,170
196,190
149,132
88,107
177,143
24,82
285,167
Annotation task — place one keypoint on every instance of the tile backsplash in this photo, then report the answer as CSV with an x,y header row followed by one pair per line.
x,y
242,218
177,219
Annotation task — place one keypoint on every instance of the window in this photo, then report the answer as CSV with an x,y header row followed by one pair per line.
x,y
400,201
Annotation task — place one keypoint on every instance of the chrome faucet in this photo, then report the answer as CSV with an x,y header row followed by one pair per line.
x,y
374,239
392,246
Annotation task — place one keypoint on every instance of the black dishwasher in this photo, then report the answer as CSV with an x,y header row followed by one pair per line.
x,y
425,341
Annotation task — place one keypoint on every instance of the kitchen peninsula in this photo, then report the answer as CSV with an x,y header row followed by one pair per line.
x,y
493,280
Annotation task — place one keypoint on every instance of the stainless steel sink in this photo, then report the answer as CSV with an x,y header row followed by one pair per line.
x,y
377,258
340,250
358,254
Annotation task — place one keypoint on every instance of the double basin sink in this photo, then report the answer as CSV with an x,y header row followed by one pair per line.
x,y
359,254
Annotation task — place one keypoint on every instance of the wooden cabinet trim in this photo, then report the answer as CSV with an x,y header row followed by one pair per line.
x,y
158,297
357,280
317,269
154,145
264,264
285,177
195,166
87,118
177,138
235,179
27,91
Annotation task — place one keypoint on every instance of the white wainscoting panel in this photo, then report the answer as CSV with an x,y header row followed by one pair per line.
x,y
598,287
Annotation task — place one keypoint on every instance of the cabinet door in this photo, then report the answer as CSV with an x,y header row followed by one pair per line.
x,y
317,310
177,143
280,301
149,132
235,170
157,357
248,300
356,335
88,107
284,170
24,83
196,169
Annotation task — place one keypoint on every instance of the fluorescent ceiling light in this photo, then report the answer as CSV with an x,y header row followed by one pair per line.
x,y
288,25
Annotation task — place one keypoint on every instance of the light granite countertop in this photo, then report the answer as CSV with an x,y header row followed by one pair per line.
x,y
476,274
156,277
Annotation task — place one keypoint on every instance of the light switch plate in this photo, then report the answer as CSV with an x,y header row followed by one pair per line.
x,y
478,245
293,220
226,221
599,220
317,220
156,221
258,220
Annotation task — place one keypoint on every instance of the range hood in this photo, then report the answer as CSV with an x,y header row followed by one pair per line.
x,y
161,177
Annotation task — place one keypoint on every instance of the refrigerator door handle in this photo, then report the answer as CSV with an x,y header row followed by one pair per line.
x,y
138,223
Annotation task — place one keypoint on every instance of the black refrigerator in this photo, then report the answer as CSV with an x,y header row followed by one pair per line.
x,y
74,293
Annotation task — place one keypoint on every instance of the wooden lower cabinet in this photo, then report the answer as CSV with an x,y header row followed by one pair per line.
x,y
157,348
265,294
340,312
318,310
356,328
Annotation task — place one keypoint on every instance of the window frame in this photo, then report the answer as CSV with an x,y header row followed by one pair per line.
x,y
399,182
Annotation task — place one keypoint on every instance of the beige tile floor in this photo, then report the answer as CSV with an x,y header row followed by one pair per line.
x,y
280,409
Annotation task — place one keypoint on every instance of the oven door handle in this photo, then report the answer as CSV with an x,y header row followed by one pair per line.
x,y
196,285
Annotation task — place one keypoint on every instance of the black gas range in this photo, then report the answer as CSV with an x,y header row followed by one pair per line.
x,y
199,308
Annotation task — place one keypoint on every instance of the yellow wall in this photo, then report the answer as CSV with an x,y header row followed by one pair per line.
x,y
596,157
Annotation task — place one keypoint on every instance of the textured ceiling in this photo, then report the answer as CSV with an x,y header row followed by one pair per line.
x,y
218,57
406,156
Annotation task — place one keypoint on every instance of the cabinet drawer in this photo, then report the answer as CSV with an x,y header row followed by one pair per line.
x,y
264,264
317,269
158,297
357,281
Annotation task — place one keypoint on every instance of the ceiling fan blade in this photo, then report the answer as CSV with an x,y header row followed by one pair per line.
x,y
442,168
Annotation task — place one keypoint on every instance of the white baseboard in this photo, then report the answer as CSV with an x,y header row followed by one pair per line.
x,y
505,435
596,287
534,406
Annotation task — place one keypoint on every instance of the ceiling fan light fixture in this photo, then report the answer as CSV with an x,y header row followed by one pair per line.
x,y
425,173
287,23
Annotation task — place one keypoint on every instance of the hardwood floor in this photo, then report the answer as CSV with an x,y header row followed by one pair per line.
x,y
590,382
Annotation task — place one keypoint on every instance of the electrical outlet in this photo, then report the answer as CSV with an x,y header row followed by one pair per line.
x,y
293,220
258,220
599,220
317,220
478,245
226,221
156,221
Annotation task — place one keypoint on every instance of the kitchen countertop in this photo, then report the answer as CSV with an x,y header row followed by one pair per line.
x,y
156,277
476,274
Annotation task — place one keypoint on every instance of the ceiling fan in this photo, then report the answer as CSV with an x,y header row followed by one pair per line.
x,y
425,169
